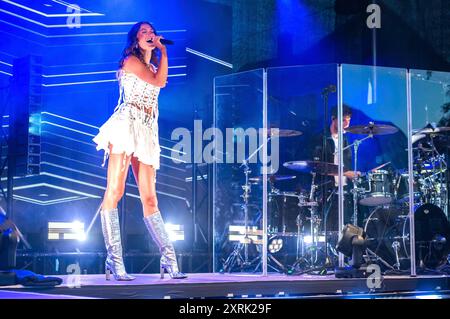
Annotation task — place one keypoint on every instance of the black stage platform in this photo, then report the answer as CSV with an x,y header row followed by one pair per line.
x,y
233,286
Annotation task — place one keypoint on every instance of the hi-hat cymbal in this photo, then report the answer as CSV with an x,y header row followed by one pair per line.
x,y
271,178
373,129
322,168
282,133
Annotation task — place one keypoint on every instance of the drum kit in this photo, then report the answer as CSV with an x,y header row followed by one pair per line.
x,y
296,219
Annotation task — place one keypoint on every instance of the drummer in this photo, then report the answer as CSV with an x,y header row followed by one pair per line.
x,y
330,155
331,144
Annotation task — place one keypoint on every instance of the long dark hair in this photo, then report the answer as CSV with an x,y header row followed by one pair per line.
x,y
132,47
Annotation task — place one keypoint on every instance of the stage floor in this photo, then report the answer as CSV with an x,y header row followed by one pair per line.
x,y
228,286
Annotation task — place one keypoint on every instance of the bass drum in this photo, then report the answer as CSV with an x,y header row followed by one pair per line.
x,y
388,237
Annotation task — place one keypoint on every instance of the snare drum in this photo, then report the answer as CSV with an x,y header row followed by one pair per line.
x,y
379,189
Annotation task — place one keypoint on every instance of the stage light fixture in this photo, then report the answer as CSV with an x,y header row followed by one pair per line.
x,y
275,245
309,240
66,231
176,232
352,244
252,236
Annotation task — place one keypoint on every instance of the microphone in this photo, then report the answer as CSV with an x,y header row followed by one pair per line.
x,y
329,89
163,41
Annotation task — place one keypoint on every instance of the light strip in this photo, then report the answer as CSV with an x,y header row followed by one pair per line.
x,y
71,159
77,83
62,36
210,58
28,186
41,203
76,181
98,176
159,192
172,167
103,188
97,72
67,138
6,63
82,172
54,201
54,187
171,149
176,75
50,26
79,35
173,159
134,196
76,74
107,33
171,177
71,169
78,64
53,15
71,120
72,180
25,29
23,18
98,81
68,5
6,53
67,128
70,149
6,73
91,24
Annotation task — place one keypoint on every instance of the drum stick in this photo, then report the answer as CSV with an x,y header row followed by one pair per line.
x,y
381,166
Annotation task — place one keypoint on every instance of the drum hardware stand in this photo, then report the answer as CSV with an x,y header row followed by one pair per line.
x,y
443,203
396,247
300,238
355,189
236,254
378,258
315,222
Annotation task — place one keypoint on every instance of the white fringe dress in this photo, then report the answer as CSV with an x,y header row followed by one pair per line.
x,y
133,128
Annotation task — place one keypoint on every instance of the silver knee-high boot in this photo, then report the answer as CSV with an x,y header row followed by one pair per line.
x,y
111,233
155,226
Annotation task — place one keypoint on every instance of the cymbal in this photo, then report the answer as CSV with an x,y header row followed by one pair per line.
x,y
322,168
417,137
271,178
282,133
431,130
371,128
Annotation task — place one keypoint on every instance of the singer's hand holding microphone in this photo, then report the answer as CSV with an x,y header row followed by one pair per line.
x,y
159,42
